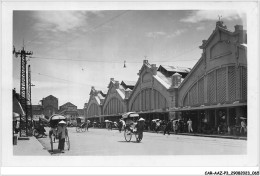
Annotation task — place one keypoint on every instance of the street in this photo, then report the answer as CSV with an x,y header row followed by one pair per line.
x,y
101,142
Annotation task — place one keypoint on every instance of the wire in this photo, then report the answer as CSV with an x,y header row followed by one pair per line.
x,y
110,61
63,79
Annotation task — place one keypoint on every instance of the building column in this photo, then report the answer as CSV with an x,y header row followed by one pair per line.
x,y
216,120
227,115
238,83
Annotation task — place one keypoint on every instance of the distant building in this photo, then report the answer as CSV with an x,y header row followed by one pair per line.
x,y
37,110
49,105
69,110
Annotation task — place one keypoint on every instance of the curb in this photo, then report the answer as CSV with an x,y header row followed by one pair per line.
x,y
193,134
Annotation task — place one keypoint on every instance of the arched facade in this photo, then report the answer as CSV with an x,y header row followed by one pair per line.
x,y
221,86
143,100
214,94
114,104
93,110
155,92
94,106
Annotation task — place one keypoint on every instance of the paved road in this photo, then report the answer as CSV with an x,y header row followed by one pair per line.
x,y
104,143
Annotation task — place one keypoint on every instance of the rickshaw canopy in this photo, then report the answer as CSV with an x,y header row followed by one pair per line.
x,y
82,118
130,114
57,117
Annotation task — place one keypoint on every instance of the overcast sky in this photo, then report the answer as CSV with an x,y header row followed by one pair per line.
x,y
74,50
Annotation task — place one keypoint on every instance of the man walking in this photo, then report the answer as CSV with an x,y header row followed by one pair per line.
x,y
168,127
189,126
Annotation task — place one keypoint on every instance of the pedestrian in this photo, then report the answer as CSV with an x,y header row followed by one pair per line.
x,y
168,127
157,125
243,127
61,135
140,129
189,123
174,124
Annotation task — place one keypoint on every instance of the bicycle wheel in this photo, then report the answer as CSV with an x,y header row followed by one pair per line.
x,y
67,141
83,129
51,141
35,133
128,135
78,128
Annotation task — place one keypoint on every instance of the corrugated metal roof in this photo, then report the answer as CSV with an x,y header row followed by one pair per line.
x,y
163,79
176,69
129,83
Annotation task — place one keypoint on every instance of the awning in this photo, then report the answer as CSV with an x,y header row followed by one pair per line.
x,y
17,108
208,107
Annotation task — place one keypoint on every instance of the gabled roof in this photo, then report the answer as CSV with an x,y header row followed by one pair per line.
x,y
165,81
128,84
50,96
68,104
176,69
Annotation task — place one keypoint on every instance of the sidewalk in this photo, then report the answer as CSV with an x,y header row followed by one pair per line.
x,y
29,146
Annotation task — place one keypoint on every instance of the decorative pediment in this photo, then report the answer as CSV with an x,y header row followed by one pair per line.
x,y
147,77
220,49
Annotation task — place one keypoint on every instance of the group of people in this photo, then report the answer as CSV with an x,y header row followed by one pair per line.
x,y
173,125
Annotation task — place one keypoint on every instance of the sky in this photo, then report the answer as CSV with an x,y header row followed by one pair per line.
x,y
74,50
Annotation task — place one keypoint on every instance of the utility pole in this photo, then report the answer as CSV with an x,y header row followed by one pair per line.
x,y
30,94
23,92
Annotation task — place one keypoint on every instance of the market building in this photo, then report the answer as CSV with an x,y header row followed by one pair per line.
x,y
214,94
155,91
93,109
115,103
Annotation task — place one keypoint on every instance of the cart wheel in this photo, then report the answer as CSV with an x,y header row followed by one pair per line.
x,y
67,140
51,143
78,128
35,133
128,135
83,129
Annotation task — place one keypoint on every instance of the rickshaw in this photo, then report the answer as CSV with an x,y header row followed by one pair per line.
x,y
131,129
53,133
38,124
81,126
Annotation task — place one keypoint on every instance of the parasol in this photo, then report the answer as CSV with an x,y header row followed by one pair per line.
x,y
141,119
130,114
82,118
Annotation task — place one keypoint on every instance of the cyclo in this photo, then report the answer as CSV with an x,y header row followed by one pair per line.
x,y
53,133
83,126
133,127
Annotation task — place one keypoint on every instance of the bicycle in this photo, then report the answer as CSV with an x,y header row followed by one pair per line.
x,y
82,127
129,132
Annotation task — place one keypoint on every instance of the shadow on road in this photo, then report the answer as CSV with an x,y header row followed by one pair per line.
x,y
55,151
129,142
